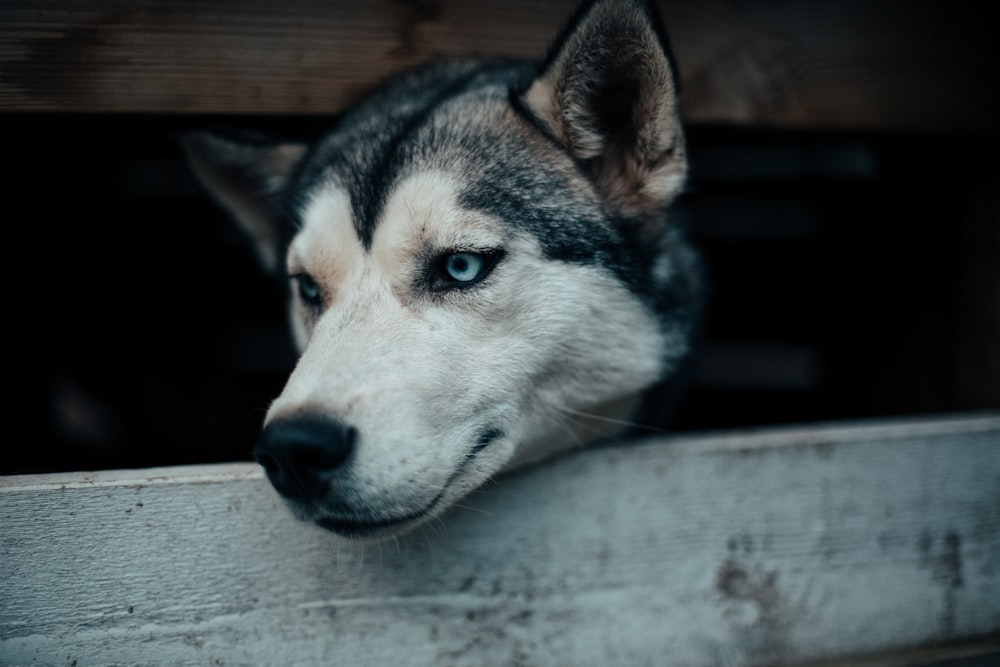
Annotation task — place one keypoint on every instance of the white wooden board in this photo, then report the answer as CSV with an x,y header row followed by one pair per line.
x,y
783,546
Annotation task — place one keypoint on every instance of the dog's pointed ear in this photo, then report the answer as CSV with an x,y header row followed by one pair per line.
x,y
248,178
608,92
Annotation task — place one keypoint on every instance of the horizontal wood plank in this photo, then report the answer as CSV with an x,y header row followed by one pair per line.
x,y
769,547
896,64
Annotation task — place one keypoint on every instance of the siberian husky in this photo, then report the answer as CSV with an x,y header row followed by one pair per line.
x,y
481,269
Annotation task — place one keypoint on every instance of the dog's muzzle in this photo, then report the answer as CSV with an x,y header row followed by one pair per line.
x,y
302,455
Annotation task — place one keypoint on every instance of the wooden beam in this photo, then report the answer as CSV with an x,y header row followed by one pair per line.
x,y
895,64
769,547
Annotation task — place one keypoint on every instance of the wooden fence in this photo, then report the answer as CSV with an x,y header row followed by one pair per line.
x,y
786,546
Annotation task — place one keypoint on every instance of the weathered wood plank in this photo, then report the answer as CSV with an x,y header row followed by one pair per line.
x,y
896,64
768,547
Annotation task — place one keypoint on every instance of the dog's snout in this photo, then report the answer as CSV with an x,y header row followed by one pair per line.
x,y
301,455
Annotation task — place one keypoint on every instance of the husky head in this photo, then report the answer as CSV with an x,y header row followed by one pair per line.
x,y
478,257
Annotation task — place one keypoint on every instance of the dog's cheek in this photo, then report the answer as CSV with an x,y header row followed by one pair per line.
x,y
601,341
301,326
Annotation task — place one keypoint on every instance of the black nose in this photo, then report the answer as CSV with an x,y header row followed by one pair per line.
x,y
301,455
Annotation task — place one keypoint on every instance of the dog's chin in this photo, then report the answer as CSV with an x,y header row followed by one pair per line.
x,y
371,527
376,529
370,521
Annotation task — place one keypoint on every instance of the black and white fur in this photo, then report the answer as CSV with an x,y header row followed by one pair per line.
x,y
482,269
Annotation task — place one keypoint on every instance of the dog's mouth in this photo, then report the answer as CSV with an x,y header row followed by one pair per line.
x,y
361,528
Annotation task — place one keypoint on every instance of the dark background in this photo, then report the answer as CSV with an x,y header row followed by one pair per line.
x,y
852,277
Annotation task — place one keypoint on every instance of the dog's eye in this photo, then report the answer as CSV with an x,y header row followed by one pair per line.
x,y
462,269
308,289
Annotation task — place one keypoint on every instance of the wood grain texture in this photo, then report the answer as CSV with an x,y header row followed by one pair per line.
x,y
893,64
772,547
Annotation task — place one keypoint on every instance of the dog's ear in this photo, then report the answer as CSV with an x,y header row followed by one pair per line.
x,y
608,92
248,178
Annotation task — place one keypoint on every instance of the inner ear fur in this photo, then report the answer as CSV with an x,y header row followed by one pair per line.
x,y
248,178
609,93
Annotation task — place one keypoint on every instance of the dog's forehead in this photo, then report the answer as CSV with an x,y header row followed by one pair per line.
x,y
325,243
452,117
470,150
422,208
423,213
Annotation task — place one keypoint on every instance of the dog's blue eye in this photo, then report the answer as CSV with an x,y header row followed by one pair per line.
x,y
308,289
464,267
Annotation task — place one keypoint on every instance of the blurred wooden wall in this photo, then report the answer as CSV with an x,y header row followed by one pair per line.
x,y
891,64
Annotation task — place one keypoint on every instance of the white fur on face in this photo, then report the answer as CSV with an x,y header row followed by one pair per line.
x,y
423,375
328,250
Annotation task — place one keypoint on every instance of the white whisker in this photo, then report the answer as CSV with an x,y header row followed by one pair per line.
x,y
608,420
566,423
474,509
